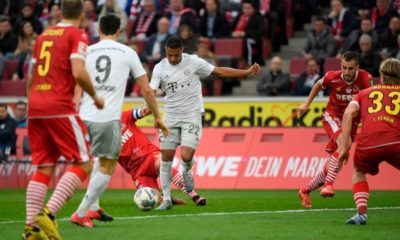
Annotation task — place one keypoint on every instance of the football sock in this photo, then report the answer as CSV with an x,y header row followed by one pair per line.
x,y
177,180
165,178
96,187
65,188
35,195
361,195
187,166
96,166
317,182
333,168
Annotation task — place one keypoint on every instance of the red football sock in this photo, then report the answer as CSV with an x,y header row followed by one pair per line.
x,y
177,180
35,195
361,195
317,181
333,169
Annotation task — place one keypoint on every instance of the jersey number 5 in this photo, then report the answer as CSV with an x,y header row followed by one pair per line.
x,y
377,97
45,55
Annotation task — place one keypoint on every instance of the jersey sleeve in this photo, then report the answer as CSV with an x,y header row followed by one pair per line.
x,y
136,66
80,42
368,81
203,68
325,80
128,116
155,78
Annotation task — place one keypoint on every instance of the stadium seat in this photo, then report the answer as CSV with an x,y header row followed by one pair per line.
x,y
10,67
228,48
332,64
9,88
297,66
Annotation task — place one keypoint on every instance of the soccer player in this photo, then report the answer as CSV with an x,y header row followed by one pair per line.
x,y
109,64
178,75
141,159
54,128
379,140
344,85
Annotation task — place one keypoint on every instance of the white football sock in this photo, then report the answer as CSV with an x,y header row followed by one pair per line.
x,y
165,178
187,166
97,185
96,166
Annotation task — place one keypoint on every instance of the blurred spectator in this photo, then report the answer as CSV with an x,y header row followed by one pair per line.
x,y
155,46
362,8
120,3
274,11
320,42
209,82
275,82
132,88
306,80
25,36
250,27
351,42
24,60
381,15
111,7
189,41
133,8
341,20
11,8
396,6
213,23
7,130
53,17
27,15
398,48
90,22
180,15
388,38
369,59
21,109
146,22
8,40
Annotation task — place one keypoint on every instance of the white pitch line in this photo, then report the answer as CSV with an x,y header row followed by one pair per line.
x,y
227,213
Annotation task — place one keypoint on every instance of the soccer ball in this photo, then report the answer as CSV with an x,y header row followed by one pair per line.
x,y
146,198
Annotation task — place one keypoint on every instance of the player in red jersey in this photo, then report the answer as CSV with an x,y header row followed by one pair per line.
x,y
141,159
379,140
54,128
344,85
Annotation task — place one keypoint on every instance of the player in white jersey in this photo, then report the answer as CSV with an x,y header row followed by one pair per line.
x,y
178,75
109,64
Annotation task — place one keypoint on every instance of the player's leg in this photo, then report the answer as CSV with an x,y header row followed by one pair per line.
x,y
106,144
168,145
177,180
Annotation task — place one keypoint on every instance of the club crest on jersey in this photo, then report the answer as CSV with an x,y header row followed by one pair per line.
x,y
187,72
348,90
338,89
356,88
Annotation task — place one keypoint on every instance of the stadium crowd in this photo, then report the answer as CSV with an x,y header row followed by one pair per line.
x,y
369,27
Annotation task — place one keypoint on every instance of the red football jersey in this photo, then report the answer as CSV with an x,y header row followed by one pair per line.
x,y
53,84
341,91
134,142
380,115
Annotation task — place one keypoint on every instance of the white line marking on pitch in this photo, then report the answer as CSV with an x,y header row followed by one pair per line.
x,y
227,213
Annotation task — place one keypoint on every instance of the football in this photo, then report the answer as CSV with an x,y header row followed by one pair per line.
x,y
146,198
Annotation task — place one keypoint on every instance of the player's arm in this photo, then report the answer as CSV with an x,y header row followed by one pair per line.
x,y
233,72
148,95
77,96
314,91
351,112
83,79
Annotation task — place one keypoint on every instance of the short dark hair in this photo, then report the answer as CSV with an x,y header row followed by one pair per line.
x,y
319,19
21,103
110,24
349,56
71,9
5,19
3,105
174,43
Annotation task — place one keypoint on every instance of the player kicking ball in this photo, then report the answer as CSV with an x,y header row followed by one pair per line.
x,y
141,159
379,140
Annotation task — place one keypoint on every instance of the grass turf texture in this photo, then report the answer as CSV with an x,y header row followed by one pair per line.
x,y
242,215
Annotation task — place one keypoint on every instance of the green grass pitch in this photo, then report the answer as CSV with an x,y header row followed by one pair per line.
x,y
233,214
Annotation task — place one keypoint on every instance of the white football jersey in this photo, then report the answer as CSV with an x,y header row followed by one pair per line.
x,y
182,86
109,64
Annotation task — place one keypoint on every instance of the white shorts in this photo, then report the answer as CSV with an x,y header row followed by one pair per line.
x,y
182,133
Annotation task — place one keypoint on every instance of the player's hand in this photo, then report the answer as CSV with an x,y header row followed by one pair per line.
x,y
145,111
158,123
343,158
99,102
254,69
302,109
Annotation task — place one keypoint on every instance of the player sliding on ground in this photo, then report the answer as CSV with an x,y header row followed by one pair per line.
x,y
141,159
344,85
379,140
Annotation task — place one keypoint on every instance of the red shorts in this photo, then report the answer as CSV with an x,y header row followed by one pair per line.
x,y
368,160
50,138
333,127
146,174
